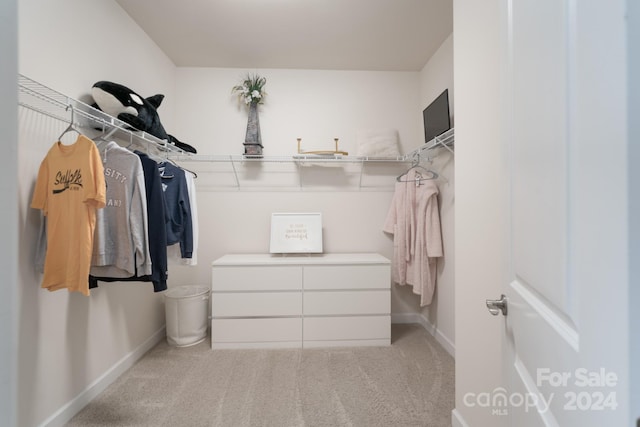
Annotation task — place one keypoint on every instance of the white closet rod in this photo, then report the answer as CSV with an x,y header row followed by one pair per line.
x,y
44,100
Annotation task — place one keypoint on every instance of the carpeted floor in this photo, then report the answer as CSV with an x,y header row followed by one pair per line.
x,y
410,383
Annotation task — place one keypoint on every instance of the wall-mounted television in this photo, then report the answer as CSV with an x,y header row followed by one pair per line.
x,y
436,117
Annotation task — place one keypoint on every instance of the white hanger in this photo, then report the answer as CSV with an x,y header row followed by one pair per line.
x,y
416,165
72,126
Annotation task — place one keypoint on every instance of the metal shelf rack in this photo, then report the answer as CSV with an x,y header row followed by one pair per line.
x,y
316,172
44,100
242,169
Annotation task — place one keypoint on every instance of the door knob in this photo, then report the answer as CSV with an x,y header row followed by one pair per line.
x,y
497,305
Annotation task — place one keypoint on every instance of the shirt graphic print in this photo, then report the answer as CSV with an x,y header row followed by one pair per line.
x,y
69,188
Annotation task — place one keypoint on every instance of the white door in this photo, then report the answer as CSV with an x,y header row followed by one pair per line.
x,y
565,337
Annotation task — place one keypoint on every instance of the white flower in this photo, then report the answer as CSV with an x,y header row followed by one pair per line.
x,y
251,91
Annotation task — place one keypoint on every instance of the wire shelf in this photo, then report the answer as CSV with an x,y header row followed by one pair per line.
x,y
40,98
44,100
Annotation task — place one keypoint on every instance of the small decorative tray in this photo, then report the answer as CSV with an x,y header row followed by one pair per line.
x,y
323,153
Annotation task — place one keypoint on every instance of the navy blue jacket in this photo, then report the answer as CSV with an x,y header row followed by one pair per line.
x,y
156,217
177,208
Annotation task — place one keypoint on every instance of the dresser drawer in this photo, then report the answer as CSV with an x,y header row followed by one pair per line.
x,y
256,304
328,300
347,277
257,331
347,302
256,278
347,328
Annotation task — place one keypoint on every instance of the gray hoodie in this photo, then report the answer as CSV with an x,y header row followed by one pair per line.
x,y
121,242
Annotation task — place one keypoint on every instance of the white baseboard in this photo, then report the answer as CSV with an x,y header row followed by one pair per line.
x,y
457,420
428,326
65,413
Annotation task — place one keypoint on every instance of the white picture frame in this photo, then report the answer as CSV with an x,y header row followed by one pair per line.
x,y
296,233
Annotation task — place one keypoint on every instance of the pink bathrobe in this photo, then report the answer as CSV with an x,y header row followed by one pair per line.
x,y
414,221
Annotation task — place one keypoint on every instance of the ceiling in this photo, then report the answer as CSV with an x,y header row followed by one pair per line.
x,y
377,35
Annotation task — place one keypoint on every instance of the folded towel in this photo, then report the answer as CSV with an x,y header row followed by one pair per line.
x,y
378,143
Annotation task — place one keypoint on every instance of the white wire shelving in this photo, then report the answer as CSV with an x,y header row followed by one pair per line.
x,y
47,101
296,171
445,140
308,171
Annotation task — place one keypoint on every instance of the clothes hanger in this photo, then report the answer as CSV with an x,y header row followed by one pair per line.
x,y
157,158
104,136
162,161
416,165
419,175
195,175
161,168
72,126
166,159
162,172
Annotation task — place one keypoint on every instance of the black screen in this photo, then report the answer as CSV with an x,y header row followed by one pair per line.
x,y
436,117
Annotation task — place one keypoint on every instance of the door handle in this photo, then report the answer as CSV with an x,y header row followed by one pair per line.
x,y
497,305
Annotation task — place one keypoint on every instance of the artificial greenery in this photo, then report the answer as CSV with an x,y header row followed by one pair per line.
x,y
251,91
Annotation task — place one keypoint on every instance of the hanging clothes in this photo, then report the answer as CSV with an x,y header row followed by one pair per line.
x,y
177,208
157,229
121,243
191,188
157,235
174,252
70,187
414,221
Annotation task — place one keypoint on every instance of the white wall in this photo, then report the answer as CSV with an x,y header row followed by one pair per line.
x,y
435,77
316,106
69,45
8,217
68,341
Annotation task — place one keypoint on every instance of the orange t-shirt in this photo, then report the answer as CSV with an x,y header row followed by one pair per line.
x,y
69,189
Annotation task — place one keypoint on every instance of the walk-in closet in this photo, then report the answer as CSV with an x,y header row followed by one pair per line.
x,y
307,112
377,213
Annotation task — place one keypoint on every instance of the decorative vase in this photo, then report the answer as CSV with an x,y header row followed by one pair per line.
x,y
253,139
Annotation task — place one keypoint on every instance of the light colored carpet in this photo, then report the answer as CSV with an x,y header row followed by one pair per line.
x,y
410,383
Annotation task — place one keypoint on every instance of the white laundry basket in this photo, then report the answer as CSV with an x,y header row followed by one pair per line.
x,y
187,309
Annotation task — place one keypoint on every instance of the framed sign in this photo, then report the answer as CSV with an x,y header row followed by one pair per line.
x,y
296,233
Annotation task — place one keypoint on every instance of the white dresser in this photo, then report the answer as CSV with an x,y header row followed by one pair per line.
x,y
263,300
